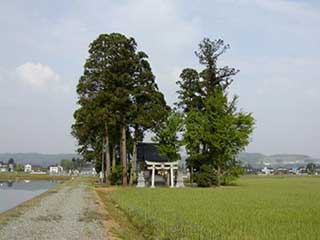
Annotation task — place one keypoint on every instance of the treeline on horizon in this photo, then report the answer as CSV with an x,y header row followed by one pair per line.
x,y
119,101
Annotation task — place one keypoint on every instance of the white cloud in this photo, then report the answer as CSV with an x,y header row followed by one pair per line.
x,y
37,75
275,44
289,8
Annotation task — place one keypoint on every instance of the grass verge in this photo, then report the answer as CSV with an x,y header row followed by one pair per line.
x,y
118,221
28,176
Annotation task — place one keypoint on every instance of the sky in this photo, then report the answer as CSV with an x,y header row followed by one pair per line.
x,y
274,43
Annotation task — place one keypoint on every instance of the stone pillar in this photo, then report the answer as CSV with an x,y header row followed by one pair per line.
x,y
171,175
180,180
152,177
141,180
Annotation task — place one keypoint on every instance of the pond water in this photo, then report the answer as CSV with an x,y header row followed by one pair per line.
x,y
12,193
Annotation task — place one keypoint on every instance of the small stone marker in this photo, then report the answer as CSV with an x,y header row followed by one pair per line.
x,y
179,183
141,180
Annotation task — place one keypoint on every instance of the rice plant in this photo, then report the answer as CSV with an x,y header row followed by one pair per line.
x,y
257,208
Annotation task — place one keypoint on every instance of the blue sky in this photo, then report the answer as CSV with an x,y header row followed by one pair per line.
x,y
274,43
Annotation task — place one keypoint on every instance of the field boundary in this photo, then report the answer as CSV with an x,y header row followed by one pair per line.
x,y
118,222
28,176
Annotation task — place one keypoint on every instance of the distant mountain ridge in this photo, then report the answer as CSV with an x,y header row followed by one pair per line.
x,y
37,158
276,160
254,159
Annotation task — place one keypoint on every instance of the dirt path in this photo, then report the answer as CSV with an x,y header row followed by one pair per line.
x,y
70,213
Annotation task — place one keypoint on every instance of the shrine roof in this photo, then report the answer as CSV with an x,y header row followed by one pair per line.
x,y
149,152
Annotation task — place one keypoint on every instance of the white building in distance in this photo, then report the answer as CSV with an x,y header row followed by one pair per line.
x,y
55,169
27,168
267,170
3,167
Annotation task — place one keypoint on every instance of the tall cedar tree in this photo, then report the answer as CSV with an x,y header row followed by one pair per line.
x,y
108,81
148,110
87,130
116,89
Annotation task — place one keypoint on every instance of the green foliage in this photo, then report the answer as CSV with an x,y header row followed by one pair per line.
x,y
11,161
167,136
194,129
191,92
311,168
148,106
117,93
231,173
213,76
98,165
19,167
115,177
105,88
215,132
67,164
226,130
216,135
206,177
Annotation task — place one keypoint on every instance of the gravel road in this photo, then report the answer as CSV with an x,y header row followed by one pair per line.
x,y
69,213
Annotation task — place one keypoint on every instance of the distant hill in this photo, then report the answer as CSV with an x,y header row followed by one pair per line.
x,y
250,157
37,158
277,160
254,159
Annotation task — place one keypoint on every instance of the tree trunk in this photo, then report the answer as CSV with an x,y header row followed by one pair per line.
x,y
107,154
103,163
133,161
114,158
191,175
218,176
124,156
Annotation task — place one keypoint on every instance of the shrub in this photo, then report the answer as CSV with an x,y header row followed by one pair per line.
x,y
206,177
115,177
232,174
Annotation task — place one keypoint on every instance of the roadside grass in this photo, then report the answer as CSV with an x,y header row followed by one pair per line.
x,y
28,176
90,215
118,221
255,208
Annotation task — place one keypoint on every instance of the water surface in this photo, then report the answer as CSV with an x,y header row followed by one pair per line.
x,y
12,193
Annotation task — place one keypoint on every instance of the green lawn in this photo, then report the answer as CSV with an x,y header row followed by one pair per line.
x,y
257,208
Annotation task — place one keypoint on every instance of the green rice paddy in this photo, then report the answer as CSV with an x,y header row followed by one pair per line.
x,y
256,208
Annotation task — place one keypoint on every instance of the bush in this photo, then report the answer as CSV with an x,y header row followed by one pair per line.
x,y
232,174
115,177
206,177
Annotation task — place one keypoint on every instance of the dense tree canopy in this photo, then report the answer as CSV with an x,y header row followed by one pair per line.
x,y
119,101
117,95
167,136
214,131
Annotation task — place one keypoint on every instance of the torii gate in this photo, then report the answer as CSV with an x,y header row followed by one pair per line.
x,y
162,166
